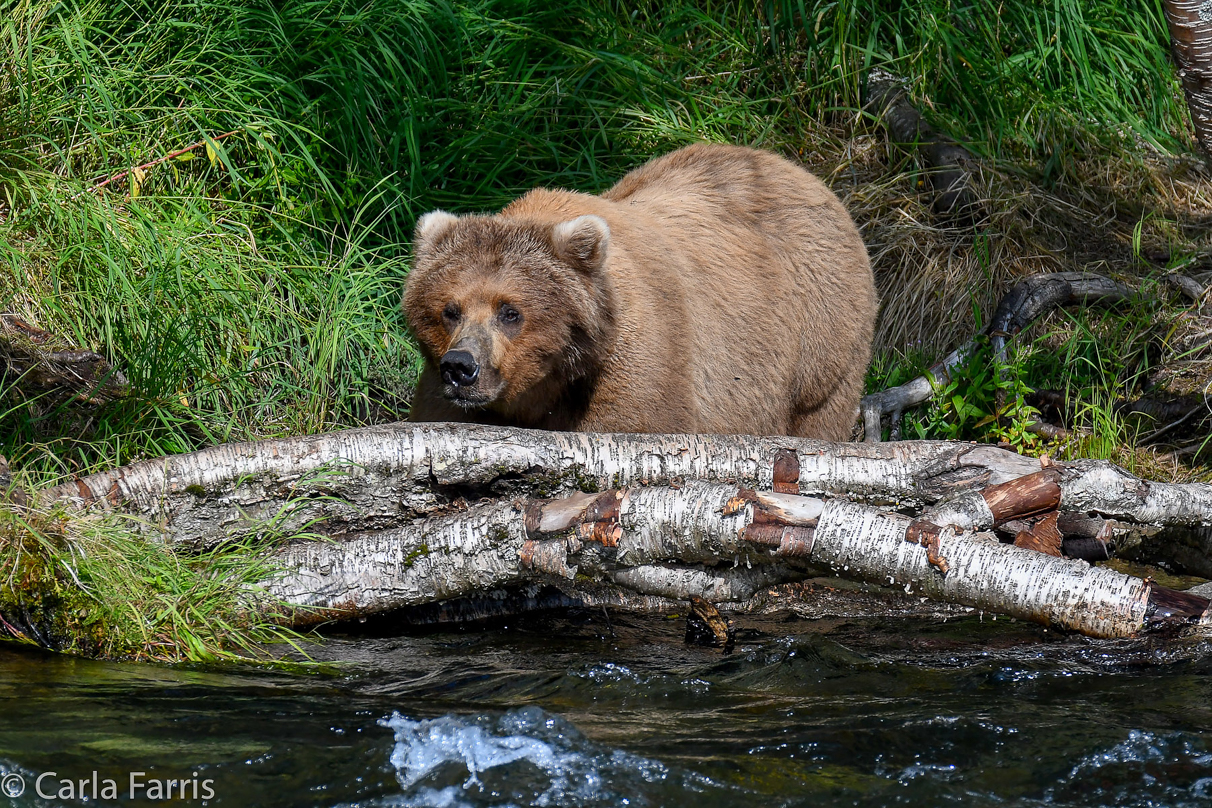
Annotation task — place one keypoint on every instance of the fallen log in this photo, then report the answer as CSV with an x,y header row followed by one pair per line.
x,y
376,478
422,514
630,536
43,368
1189,287
1081,486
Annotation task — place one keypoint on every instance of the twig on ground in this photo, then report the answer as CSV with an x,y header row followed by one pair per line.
x,y
156,162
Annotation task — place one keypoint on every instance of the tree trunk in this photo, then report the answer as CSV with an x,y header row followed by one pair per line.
x,y
379,477
739,541
949,165
1191,41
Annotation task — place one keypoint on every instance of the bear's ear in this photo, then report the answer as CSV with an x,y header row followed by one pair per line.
x,y
431,227
582,241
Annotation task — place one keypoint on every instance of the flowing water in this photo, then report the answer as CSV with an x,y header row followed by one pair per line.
x,y
588,709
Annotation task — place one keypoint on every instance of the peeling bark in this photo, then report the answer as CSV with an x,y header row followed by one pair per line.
x,y
1082,486
1191,42
701,523
378,478
417,514
1043,536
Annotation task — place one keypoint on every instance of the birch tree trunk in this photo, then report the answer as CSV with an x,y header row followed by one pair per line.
x,y
739,541
1190,24
380,477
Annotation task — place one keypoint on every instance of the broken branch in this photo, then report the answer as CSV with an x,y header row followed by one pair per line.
x,y
1021,306
41,366
158,161
702,523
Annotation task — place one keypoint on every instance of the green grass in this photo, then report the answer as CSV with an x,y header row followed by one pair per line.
x,y
250,287
96,586
1015,77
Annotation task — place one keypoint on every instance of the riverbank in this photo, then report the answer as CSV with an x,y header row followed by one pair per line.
x,y
217,198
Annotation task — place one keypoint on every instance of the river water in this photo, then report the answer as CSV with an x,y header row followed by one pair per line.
x,y
589,709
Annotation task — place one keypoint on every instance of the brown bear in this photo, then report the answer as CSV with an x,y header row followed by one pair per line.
x,y
716,289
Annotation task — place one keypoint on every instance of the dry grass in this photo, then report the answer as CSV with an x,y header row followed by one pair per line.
x,y
936,279
1132,214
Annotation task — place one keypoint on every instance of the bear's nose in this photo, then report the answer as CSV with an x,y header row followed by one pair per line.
x,y
459,368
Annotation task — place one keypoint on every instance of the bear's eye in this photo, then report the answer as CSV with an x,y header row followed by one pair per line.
x,y
509,315
452,313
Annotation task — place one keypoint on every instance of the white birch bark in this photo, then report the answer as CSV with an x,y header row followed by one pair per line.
x,y
379,477
704,523
1190,24
1096,487
859,542
714,585
482,550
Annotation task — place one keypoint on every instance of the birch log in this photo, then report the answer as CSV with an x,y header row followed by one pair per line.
x,y
1083,486
377,478
630,537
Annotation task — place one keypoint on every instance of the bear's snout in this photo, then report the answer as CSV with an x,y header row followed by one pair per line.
x,y
459,368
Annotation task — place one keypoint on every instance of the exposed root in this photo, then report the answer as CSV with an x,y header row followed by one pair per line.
x,y
949,165
1028,300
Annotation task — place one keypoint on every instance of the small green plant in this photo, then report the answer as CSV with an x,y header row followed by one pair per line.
x,y
981,400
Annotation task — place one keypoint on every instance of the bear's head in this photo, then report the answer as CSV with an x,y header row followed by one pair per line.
x,y
510,311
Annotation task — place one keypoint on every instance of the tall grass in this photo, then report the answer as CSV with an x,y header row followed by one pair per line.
x,y
251,287
1016,78
94,585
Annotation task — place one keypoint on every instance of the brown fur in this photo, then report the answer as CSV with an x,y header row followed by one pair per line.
x,y
731,294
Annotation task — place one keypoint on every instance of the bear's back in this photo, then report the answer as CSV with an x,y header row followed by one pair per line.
x,y
766,269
